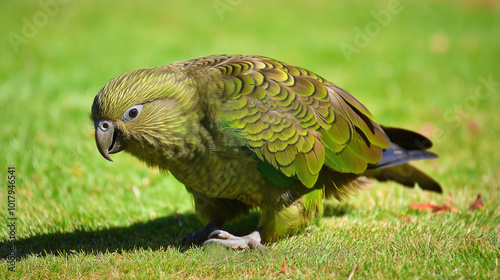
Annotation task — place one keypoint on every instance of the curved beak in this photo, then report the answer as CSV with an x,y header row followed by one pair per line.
x,y
107,138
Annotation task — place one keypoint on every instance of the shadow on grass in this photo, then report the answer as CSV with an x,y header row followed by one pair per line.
x,y
335,209
154,235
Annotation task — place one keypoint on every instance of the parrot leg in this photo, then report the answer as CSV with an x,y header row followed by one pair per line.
x,y
292,218
217,211
211,233
198,237
228,240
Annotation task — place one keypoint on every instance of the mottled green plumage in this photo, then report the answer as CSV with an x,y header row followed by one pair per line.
x,y
249,131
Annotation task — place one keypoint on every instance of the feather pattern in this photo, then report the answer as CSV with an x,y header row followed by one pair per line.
x,y
290,117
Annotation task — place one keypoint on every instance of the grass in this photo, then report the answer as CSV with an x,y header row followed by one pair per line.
x,y
79,216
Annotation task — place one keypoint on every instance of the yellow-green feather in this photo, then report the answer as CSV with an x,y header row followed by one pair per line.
x,y
291,117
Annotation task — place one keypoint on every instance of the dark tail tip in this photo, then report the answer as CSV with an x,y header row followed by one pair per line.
x,y
407,175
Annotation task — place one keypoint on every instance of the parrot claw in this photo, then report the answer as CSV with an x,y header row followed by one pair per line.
x,y
228,240
197,238
189,240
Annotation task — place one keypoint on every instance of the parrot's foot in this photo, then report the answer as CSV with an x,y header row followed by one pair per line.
x,y
211,233
197,238
228,240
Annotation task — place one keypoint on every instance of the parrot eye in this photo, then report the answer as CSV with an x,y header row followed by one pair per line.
x,y
132,113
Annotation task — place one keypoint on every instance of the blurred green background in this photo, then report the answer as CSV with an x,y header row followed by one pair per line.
x,y
429,66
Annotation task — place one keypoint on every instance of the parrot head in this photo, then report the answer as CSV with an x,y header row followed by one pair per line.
x,y
140,112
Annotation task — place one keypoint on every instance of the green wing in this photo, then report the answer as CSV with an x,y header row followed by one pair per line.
x,y
292,118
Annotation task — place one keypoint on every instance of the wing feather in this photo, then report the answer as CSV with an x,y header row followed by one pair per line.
x,y
292,118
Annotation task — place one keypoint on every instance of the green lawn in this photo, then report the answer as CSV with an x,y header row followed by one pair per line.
x,y
429,66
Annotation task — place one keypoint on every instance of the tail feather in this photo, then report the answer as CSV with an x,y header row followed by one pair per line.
x,y
406,146
397,155
407,139
407,175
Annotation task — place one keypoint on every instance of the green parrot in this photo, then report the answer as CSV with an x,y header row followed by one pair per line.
x,y
249,132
